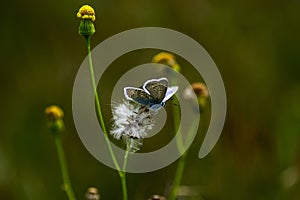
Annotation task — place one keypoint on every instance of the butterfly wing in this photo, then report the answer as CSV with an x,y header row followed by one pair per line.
x,y
170,92
138,95
157,88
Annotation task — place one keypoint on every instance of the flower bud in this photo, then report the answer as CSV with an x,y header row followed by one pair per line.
x,y
92,194
157,197
54,115
86,12
201,92
87,15
168,59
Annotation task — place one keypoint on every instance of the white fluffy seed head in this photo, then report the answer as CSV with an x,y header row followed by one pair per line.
x,y
132,122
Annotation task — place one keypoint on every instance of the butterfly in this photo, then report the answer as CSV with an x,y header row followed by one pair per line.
x,y
153,94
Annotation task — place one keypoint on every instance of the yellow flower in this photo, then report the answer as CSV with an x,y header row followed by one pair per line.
x,y
54,116
87,15
164,57
86,12
168,59
54,113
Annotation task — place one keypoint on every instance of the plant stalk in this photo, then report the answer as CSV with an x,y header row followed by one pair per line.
x,y
181,148
63,166
122,174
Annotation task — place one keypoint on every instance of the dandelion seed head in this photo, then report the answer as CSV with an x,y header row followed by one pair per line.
x,y
132,122
133,144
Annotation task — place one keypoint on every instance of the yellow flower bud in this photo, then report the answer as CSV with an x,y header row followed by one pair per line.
x,y
54,113
168,59
54,116
87,15
86,12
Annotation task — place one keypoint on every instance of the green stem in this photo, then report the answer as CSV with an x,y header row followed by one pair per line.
x,y
181,148
124,186
181,162
123,176
98,108
178,176
176,122
63,166
125,160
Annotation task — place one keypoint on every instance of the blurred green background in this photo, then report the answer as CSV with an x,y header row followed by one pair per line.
x,y
256,46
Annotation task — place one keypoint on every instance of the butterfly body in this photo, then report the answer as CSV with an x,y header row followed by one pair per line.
x,y
153,94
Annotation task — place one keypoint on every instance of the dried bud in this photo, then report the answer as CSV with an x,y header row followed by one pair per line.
x,y
92,194
201,92
157,197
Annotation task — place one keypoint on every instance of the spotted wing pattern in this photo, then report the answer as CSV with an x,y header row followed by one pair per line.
x,y
139,95
157,88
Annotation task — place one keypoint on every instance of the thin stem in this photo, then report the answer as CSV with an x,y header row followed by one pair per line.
x,y
176,122
125,160
63,166
178,176
182,160
123,176
124,186
98,107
